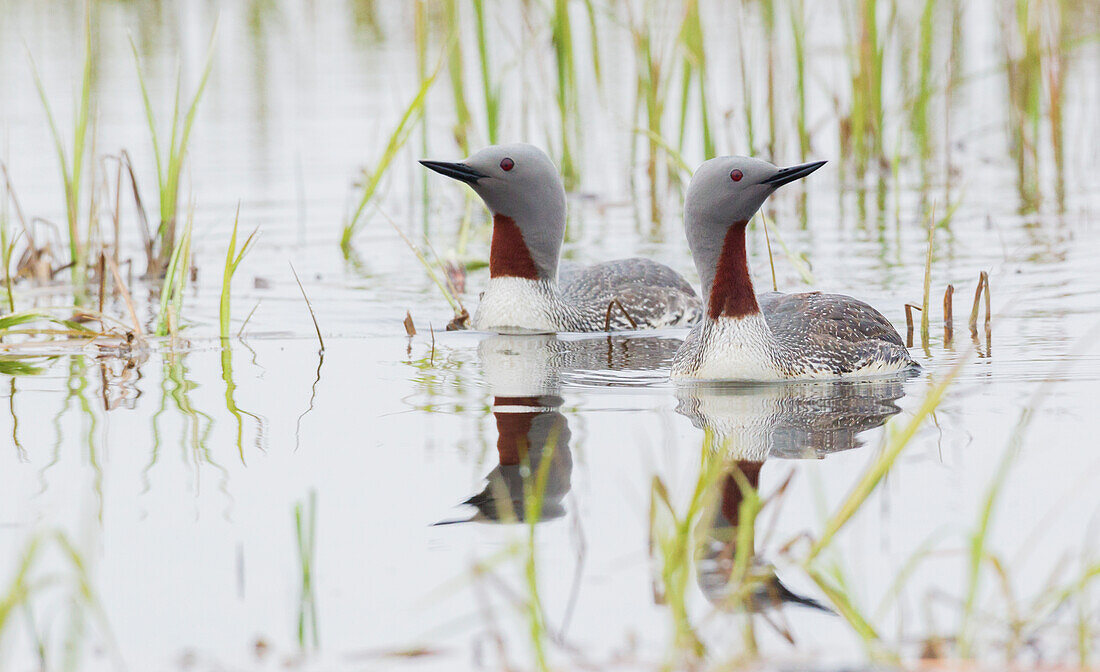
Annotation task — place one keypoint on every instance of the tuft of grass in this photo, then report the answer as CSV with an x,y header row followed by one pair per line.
x,y
170,157
175,278
397,140
72,166
233,259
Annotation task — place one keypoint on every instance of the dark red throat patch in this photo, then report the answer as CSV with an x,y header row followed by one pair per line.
x,y
731,294
508,254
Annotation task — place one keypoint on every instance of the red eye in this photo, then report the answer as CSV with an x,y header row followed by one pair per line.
x,y
736,175
507,164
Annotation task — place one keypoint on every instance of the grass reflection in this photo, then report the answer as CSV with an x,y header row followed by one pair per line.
x,y
231,403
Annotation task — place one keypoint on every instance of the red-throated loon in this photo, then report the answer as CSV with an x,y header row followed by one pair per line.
x,y
526,292
772,336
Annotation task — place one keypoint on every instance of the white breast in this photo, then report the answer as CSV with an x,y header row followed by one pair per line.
x,y
517,303
731,348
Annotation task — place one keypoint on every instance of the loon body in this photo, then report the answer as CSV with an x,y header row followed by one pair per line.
x,y
527,291
773,336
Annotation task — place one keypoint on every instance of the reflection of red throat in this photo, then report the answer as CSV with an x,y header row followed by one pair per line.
x,y
731,491
731,293
508,254
512,428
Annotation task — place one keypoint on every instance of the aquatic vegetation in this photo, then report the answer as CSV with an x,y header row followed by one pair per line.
x,y
894,87
397,140
305,531
73,165
490,91
233,259
694,68
170,157
673,542
566,91
169,317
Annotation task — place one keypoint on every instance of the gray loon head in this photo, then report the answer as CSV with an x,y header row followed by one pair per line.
x,y
521,187
724,194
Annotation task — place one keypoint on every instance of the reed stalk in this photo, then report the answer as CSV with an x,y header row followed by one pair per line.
x,y
457,74
694,69
490,92
566,92
925,318
798,40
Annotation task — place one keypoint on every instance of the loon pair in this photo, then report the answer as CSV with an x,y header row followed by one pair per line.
x,y
737,335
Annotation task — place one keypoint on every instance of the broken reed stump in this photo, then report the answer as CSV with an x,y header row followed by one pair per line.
x,y
948,315
410,328
607,317
979,291
459,322
909,308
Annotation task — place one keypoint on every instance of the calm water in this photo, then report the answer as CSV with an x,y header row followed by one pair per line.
x,y
177,473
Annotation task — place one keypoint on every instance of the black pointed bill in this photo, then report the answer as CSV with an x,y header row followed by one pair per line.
x,y
793,173
458,171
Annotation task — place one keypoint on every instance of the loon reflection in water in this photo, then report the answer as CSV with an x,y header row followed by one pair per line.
x,y
524,375
756,423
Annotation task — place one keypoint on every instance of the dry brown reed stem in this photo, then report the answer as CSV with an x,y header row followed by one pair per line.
x,y
101,272
410,328
125,294
909,307
983,287
146,234
948,314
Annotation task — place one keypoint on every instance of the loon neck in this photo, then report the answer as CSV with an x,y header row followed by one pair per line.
x,y
731,291
509,255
